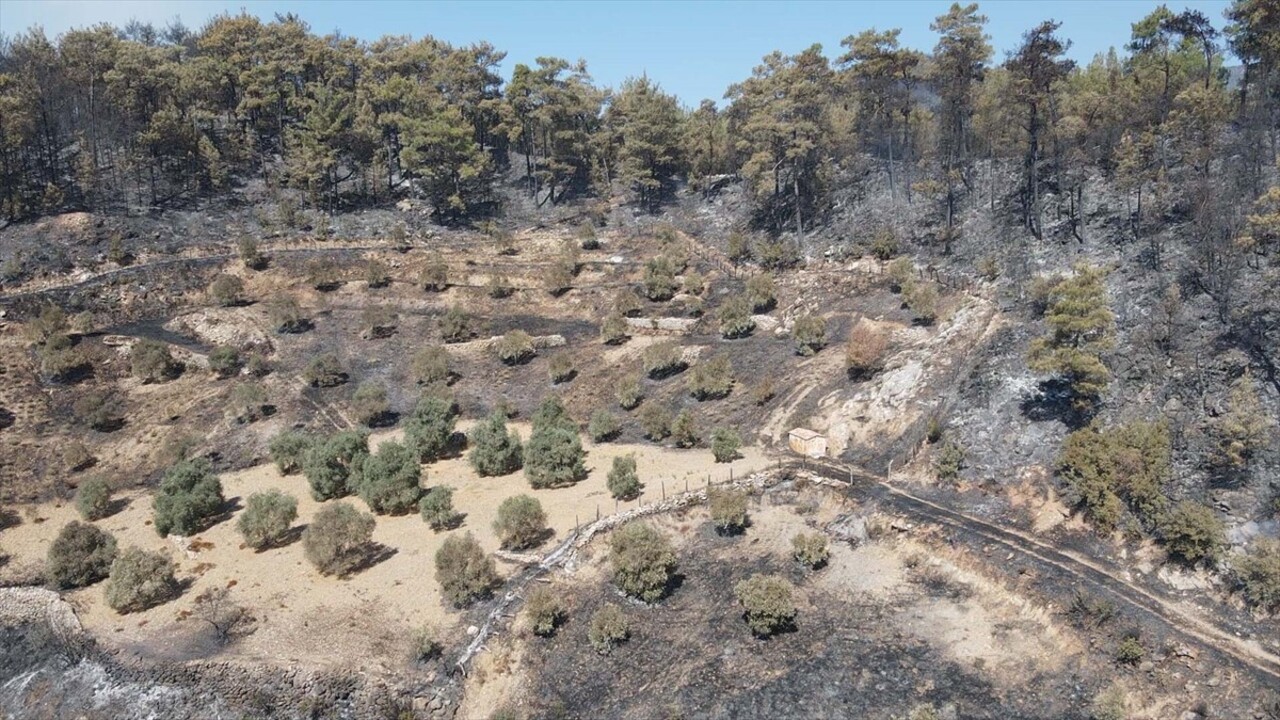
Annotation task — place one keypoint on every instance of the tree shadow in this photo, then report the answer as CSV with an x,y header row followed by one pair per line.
x,y
114,507
376,553
783,628
1053,399
229,508
9,518
7,418
386,419
289,537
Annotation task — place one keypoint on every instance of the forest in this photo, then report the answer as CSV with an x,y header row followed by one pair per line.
x,y
105,119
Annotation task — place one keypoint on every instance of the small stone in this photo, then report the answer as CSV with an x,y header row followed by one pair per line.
x,y
472,630
1147,666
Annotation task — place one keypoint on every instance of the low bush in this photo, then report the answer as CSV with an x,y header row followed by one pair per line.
x,y
515,348
520,523
267,518
603,426
425,646
337,541
324,371
655,421
630,392
287,449
495,450
711,379
613,331
1257,573
499,286
663,359
435,274
623,480
1129,651
226,290
455,325
767,603
436,508
80,555
809,333
190,495
735,319
463,570
627,303
545,610
738,248
324,274
762,293
151,361
377,322
922,301
139,580
694,282
389,479
724,444
660,279
225,361
949,462
684,430
100,410
369,404
93,498
609,628
885,244
286,316
865,351
248,403
560,368
376,274
1193,533
810,549
643,561
728,508
250,255
431,366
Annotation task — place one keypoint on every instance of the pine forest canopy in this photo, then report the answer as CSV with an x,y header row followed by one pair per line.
x,y
107,119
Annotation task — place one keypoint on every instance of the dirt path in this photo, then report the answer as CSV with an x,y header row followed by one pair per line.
x,y
1098,578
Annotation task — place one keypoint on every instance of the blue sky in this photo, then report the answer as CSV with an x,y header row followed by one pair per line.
x,y
693,49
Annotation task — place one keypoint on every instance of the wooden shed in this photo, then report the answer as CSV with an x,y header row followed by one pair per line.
x,y
807,442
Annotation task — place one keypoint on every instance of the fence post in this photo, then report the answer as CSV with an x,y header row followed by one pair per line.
x,y
597,512
664,490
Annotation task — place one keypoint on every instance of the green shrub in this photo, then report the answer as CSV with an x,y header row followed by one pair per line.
x,y
613,331
711,379
728,509
425,646
643,561
515,348
922,301
430,427
190,495
248,403
250,254
884,245
663,359
93,499
151,361
694,282
627,303
288,448
738,248
455,325
226,290
389,479
377,322
1110,704
767,604
140,580
267,518
1108,469
545,610
1257,573
950,461
369,404
376,274
324,275
1192,533
100,410
463,570
609,628
684,430
329,465
660,279
810,549
724,444
655,421
225,361
623,481
337,541
560,368
499,286
735,319
436,508
603,426
902,275
495,450
80,555
630,393
521,523
1129,651
762,293
553,457
809,333
777,254
431,366
324,371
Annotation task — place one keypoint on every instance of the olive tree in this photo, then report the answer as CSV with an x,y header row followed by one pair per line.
x,y
267,518
521,523
139,580
80,555
767,602
190,495
464,571
337,542
643,561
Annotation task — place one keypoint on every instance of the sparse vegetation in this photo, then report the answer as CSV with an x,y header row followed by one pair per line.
x,y
684,430
337,542
369,404
435,274
762,293
865,351
1257,574
80,555
655,421
431,366
286,316
767,603
643,561
455,325
151,362
603,426
630,392
463,570
735,319
267,518
560,368
613,331
810,549
225,361
226,291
